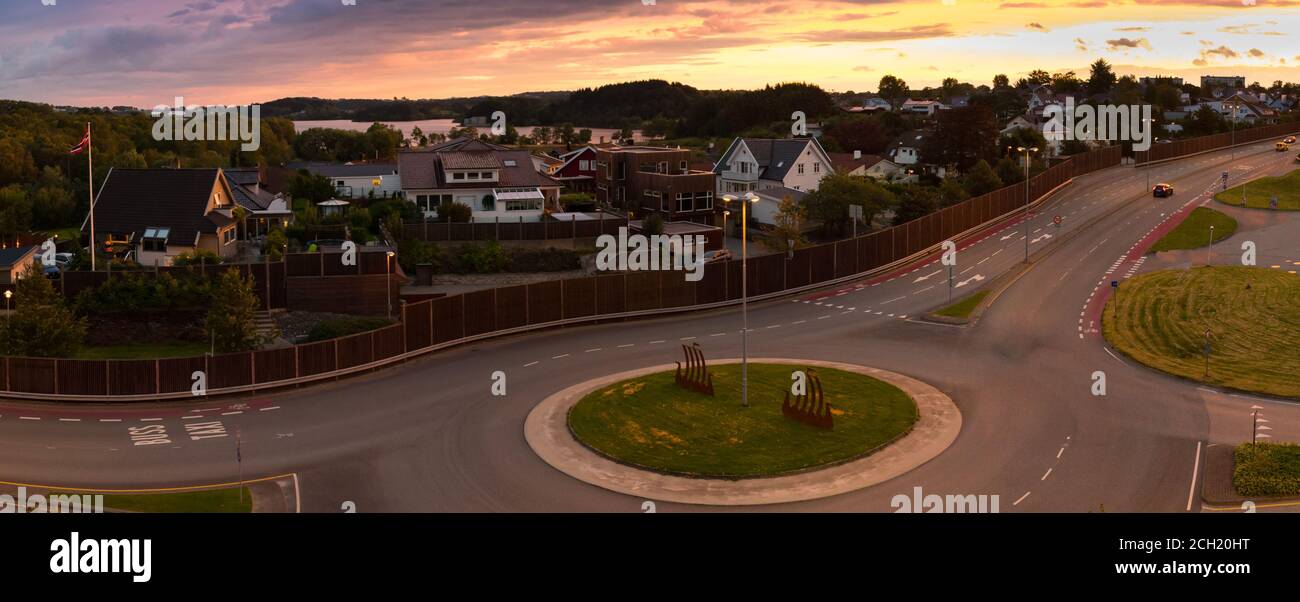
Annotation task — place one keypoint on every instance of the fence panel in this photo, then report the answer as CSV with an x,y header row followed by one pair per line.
x,y
798,269
177,374
512,307
579,297
270,365
846,258
131,377
480,312
230,370
83,377
388,341
713,287
417,319
448,319
544,299
823,262
355,350
766,274
316,358
676,290
611,294
642,291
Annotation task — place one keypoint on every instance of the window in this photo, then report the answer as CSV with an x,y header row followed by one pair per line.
x,y
510,163
524,205
228,236
473,175
685,166
817,167
685,202
801,169
487,175
704,200
155,240
458,176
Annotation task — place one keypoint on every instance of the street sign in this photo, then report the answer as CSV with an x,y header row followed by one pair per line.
x,y
1272,202
1114,284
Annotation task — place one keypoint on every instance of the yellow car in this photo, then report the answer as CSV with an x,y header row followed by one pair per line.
x,y
1282,147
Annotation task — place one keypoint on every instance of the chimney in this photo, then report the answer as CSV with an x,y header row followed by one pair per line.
x,y
857,155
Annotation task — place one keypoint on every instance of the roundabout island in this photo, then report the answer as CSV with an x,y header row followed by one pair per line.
x,y
643,433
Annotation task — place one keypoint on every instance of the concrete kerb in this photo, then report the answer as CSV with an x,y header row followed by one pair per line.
x,y
547,432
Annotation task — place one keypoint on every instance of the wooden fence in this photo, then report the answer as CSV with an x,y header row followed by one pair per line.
x,y
1191,146
510,230
445,321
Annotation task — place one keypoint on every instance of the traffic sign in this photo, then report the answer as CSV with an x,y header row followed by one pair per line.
x,y
1114,284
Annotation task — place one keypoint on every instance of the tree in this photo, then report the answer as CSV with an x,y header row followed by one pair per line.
x,y
864,134
914,202
1101,77
789,220
314,188
981,179
952,192
1000,81
41,324
1038,77
15,211
962,137
830,202
276,241
1009,171
451,211
894,90
230,322
653,224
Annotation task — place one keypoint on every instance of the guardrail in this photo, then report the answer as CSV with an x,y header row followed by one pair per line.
x,y
436,324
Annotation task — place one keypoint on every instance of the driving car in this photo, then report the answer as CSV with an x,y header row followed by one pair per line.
x,y
1162,190
1282,147
1289,140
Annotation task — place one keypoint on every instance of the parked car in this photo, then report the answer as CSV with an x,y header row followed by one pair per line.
x,y
719,255
62,259
1162,190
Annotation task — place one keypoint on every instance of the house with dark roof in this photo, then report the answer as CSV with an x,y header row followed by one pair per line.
x,y
496,182
160,213
356,180
750,164
263,210
15,262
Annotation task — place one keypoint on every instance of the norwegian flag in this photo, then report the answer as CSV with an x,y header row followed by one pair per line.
x,y
81,146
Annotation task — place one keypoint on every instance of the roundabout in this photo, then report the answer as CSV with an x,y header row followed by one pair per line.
x,y
623,432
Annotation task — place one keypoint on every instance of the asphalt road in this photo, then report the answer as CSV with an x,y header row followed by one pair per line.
x,y
429,435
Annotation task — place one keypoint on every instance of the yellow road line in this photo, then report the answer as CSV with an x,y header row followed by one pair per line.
x,y
1238,508
154,490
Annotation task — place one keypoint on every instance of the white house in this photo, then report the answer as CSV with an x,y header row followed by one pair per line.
x,y
906,150
866,166
751,164
495,181
357,180
923,107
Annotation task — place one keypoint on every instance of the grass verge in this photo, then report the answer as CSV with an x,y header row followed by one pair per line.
x,y
650,422
1194,232
1160,320
1259,192
142,351
215,501
1266,469
962,309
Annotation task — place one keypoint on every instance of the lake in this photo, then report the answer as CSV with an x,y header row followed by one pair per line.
x,y
443,126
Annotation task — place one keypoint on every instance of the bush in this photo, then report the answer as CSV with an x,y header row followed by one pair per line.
x,y
138,291
341,327
41,325
230,319
455,212
196,257
411,253
544,260
1266,469
482,258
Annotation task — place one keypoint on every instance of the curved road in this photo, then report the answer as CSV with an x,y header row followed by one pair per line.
x,y
429,436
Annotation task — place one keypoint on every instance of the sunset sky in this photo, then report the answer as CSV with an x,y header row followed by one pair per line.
x,y
145,52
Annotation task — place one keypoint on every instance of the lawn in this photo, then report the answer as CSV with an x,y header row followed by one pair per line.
x,y
1266,469
963,308
650,422
334,328
1258,193
206,502
1194,232
1251,312
142,351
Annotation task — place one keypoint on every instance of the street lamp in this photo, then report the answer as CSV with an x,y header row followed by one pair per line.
x,y
744,289
725,213
8,295
1151,128
388,288
1026,152
1209,256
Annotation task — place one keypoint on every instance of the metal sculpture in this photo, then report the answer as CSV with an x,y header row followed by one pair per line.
x,y
695,375
811,407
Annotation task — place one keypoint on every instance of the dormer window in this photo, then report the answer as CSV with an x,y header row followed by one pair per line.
x,y
155,240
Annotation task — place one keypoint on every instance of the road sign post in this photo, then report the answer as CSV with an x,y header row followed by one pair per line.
x,y
1114,313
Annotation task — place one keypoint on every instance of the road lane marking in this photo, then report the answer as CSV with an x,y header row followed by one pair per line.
x,y
1022,498
1196,469
531,364
556,357
1046,474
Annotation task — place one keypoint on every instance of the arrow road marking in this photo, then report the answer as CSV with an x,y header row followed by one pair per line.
x,y
975,278
926,276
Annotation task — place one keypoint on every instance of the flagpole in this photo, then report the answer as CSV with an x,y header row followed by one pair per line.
x,y
90,184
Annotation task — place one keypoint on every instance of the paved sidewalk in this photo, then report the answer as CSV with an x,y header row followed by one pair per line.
x,y
547,433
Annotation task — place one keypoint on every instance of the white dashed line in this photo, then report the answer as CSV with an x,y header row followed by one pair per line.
x,y
1022,498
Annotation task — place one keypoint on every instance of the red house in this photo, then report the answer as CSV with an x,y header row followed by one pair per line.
x,y
578,173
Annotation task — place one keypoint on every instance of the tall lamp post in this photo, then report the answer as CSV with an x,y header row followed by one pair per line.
x,y
8,295
1026,151
388,288
748,198
1235,109
1151,123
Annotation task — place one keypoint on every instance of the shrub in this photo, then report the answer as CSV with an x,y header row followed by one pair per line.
x,y
41,324
1266,469
196,257
482,258
230,319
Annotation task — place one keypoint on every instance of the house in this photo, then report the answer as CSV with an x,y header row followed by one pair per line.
x,y
751,164
1230,83
1243,110
649,179
356,180
160,213
1028,121
546,164
15,263
496,182
867,166
768,206
906,150
922,107
578,171
263,210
